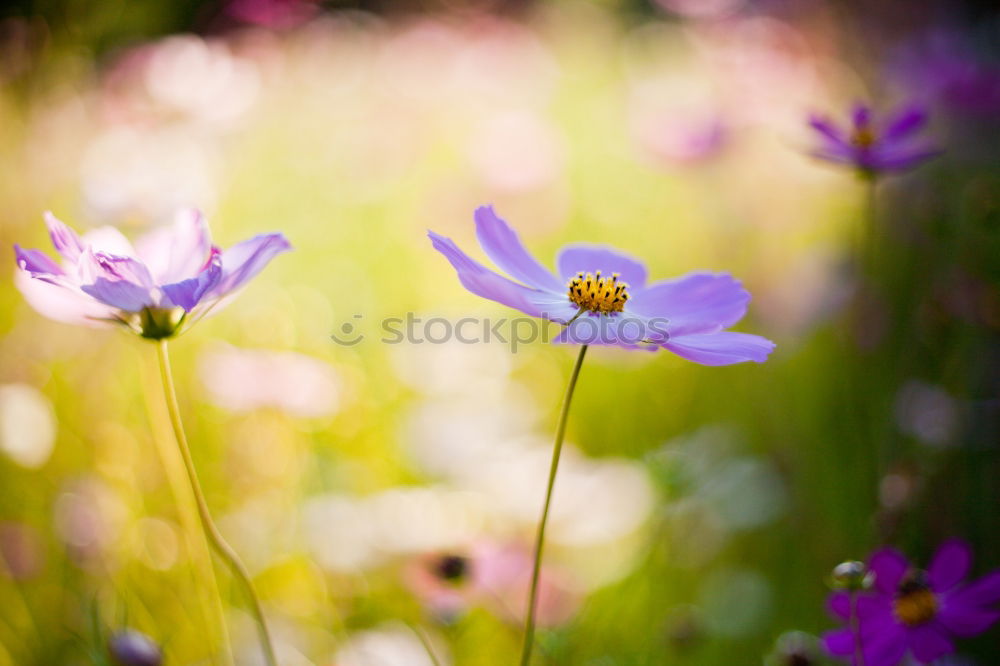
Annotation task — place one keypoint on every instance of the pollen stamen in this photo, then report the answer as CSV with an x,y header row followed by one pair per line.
x,y
915,602
863,136
597,294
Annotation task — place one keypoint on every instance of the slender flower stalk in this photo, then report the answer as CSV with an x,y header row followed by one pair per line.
x,y
157,289
215,538
529,624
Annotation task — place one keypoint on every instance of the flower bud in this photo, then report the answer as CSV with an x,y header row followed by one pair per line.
x,y
851,575
794,648
132,648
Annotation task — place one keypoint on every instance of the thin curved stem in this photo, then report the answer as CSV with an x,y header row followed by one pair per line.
x,y
428,648
223,549
529,624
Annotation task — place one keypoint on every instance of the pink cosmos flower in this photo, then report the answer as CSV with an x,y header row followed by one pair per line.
x,y
172,277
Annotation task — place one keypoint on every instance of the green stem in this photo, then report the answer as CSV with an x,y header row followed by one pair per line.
x,y
529,624
870,228
223,549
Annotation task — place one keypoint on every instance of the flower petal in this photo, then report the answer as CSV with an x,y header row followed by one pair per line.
x,y
121,294
889,566
861,115
122,282
61,302
965,621
983,592
885,648
928,642
122,268
483,282
244,260
694,303
839,604
839,643
950,564
108,240
897,159
723,348
36,263
504,248
830,132
586,258
65,240
179,251
625,330
904,122
188,293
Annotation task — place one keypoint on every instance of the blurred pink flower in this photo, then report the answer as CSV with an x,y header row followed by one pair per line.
x,y
496,576
247,379
22,551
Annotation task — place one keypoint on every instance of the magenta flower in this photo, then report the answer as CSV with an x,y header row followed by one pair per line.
x,y
873,146
173,276
915,612
686,315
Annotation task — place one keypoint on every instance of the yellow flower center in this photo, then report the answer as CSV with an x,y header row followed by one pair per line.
x,y
597,294
915,603
863,137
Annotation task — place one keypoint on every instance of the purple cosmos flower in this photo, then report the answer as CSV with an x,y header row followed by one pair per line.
x,y
172,276
686,315
872,146
909,610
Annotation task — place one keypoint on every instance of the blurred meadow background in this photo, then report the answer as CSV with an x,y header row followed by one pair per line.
x,y
384,496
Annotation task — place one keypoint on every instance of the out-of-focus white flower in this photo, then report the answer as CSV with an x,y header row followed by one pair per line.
x,y
744,491
454,369
147,173
156,542
517,151
351,534
247,379
201,79
27,425
736,602
391,644
928,413
89,516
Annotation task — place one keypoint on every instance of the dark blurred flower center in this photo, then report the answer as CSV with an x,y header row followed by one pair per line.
x,y
863,136
915,603
452,568
799,659
597,294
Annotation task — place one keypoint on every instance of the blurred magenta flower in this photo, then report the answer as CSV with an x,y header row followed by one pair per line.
x,y
916,612
686,315
873,146
274,14
171,277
